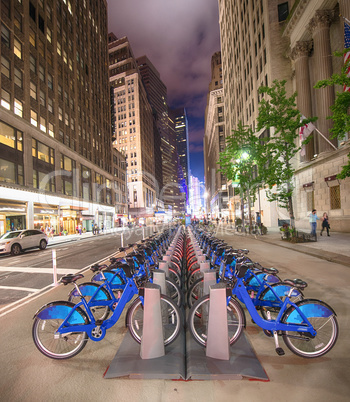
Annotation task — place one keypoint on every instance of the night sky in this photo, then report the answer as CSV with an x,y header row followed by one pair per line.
x,y
179,37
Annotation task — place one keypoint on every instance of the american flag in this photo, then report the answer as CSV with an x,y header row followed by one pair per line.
x,y
347,46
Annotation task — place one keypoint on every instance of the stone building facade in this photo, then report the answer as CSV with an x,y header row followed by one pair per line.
x,y
294,41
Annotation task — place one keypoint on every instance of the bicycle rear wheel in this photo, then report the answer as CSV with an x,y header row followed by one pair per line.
x,y
195,292
46,338
198,320
322,318
174,291
171,319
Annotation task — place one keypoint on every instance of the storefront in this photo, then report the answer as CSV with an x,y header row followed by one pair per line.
x,y
12,216
46,219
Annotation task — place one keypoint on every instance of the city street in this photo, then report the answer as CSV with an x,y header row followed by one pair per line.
x,y
27,375
31,272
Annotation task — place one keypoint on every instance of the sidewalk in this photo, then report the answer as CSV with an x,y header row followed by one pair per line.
x,y
335,248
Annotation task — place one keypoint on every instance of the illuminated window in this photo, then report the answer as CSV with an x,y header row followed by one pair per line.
x,y
17,48
18,107
48,34
34,118
5,99
32,39
42,124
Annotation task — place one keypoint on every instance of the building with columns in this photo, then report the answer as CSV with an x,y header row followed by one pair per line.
x,y
294,41
315,30
57,166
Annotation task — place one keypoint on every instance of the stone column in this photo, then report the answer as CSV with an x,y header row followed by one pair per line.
x,y
319,27
300,55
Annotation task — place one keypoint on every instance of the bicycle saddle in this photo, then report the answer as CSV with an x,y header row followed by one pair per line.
x,y
122,248
297,283
70,278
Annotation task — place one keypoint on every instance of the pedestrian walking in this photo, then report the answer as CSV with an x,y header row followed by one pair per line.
x,y
313,222
325,223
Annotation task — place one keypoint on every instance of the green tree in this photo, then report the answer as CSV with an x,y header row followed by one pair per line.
x,y
238,162
278,111
340,109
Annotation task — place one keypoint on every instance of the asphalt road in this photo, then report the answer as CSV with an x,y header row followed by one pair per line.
x,y
27,375
31,272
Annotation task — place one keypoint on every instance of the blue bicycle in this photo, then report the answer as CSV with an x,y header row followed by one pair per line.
x,y
308,327
61,329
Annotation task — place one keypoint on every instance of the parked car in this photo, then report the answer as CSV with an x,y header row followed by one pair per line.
x,y
19,240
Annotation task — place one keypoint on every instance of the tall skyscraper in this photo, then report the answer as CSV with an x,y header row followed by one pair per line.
x,y
56,162
157,95
133,134
214,143
181,129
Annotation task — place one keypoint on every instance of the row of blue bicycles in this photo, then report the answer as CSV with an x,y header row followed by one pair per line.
x,y
62,328
308,327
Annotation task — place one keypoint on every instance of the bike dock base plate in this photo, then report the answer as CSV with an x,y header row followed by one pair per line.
x,y
243,363
127,361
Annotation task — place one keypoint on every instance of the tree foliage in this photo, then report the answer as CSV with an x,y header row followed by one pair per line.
x,y
278,111
340,109
239,159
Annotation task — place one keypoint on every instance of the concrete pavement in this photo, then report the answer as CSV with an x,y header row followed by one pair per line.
x,y
27,375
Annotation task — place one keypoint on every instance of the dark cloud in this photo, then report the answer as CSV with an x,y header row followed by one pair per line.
x,y
179,37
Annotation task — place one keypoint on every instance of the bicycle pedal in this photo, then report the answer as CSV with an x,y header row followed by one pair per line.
x,y
280,351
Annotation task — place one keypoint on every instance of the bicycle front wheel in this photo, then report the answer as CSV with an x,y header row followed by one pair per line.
x,y
53,344
198,320
171,319
322,318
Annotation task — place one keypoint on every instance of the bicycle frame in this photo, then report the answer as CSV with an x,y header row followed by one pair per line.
x,y
273,325
95,330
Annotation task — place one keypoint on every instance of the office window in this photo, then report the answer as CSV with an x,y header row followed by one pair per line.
x,y
283,11
18,107
34,118
5,67
5,36
49,81
42,73
18,77
32,11
48,34
41,48
17,48
42,124
51,133
5,99
32,38
50,105
32,64
60,113
33,93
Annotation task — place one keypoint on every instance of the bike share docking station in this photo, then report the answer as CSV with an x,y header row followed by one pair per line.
x,y
184,358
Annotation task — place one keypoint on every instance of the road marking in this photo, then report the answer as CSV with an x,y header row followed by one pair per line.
x,y
31,270
19,288
28,299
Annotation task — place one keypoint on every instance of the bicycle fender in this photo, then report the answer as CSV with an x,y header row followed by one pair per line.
x,y
281,291
87,289
60,310
309,309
